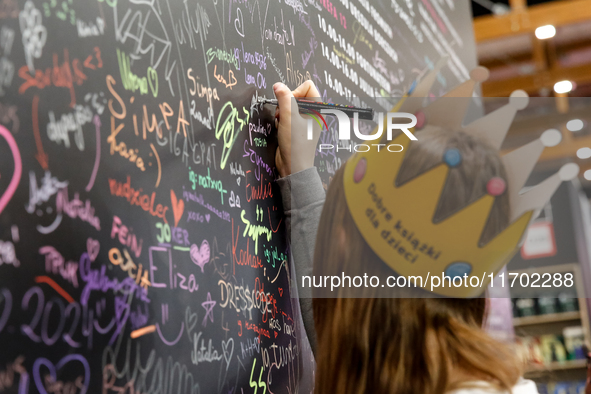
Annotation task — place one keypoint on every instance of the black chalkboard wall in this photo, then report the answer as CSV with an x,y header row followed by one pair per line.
x,y
142,244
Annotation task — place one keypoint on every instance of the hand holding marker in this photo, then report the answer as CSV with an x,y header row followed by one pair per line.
x,y
297,139
306,106
292,129
312,108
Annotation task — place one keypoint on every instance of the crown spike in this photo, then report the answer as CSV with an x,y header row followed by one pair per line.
x,y
535,198
439,112
520,162
421,90
494,126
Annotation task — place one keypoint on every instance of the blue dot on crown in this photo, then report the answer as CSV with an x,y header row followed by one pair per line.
x,y
459,268
452,157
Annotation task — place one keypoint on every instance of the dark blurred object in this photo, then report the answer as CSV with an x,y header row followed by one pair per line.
x,y
568,302
526,307
547,305
574,339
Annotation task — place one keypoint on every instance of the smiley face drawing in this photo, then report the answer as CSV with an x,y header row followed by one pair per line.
x,y
39,195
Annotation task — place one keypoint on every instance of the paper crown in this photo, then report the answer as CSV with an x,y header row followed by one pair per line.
x,y
397,220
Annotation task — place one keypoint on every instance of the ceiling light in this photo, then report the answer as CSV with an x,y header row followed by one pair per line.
x,y
574,125
545,32
500,9
584,153
587,175
563,87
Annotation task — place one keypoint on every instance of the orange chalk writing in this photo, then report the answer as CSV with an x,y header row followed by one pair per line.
x,y
62,75
137,197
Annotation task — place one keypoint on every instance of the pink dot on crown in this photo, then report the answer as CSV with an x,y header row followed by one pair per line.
x,y
421,119
496,186
360,169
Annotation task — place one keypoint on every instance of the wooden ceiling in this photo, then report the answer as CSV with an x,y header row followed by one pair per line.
x,y
518,60
543,56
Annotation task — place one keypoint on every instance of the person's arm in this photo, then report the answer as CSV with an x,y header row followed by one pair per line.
x,y
301,189
303,198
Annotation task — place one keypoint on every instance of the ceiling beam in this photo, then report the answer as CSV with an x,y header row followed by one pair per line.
x,y
528,54
526,20
532,83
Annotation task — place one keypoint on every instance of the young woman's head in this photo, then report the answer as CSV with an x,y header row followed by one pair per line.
x,y
383,343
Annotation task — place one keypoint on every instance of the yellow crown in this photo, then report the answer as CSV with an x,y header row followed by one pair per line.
x,y
397,220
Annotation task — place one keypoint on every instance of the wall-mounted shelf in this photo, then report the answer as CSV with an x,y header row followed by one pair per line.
x,y
554,323
548,318
557,366
579,317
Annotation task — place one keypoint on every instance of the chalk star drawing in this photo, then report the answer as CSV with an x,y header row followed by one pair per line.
x,y
208,306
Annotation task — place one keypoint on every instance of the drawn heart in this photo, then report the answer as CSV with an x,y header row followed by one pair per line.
x,y
53,370
92,247
280,292
207,217
228,350
18,168
238,181
238,22
190,322
153,81
275,334
178,207
200,256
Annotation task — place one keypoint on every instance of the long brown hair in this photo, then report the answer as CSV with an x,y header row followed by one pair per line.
x,y
419,345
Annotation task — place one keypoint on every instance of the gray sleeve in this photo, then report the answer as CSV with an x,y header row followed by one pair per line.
x,y
303,198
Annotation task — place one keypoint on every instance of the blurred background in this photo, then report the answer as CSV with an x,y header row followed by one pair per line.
x,y
544,48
